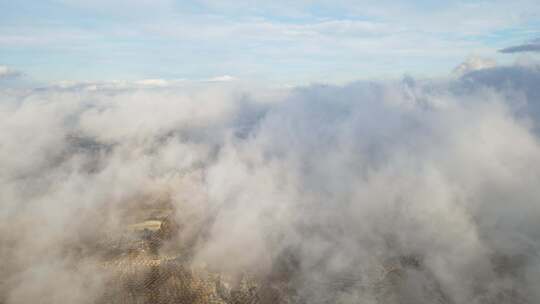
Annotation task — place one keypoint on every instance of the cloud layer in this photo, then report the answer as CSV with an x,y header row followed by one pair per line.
x,y
329,183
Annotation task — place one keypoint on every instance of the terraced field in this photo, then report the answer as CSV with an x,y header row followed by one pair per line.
x,y
139,271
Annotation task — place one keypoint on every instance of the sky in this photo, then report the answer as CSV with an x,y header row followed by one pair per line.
x,y
282,42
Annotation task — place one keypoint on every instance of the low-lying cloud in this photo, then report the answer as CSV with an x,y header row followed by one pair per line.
x,y
6,72
119,85
336,180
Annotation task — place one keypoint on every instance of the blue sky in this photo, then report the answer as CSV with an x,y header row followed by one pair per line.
x,y
287,42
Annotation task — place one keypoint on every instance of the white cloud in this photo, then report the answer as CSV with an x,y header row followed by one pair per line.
x,y
6,72
474,63
155,83
224,78
343,179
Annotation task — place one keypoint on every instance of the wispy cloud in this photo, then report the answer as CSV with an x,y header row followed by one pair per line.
x,y
295,41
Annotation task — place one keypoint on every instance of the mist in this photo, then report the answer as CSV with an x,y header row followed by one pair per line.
x,y
316,190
